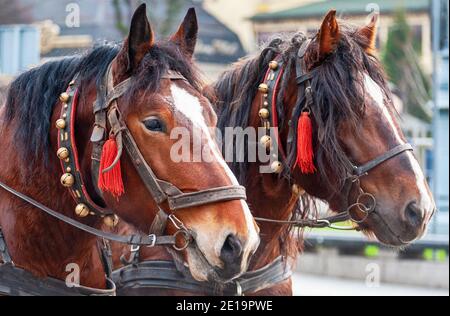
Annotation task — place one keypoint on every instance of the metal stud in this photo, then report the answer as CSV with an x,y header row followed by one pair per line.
x,y
264,113
111,221
64,97
62,153
64,115
273,65
266,141
276,167
61,124
67,180
82,210
266,104
264,88
68,169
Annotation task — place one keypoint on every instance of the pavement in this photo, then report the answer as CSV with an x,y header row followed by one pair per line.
x,y
312,285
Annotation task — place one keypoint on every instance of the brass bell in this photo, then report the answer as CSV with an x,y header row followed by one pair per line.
x,y
82,210
64,97
61,124
273,65
264,88
264,113
67,180
266,141
276,167
63,153
111,221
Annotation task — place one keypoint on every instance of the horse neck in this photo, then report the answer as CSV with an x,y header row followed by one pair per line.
x,y
37,242
270,197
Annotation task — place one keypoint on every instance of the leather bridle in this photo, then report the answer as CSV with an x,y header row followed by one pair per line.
x,y
365,203
107,114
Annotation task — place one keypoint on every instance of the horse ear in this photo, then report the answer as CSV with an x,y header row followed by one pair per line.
x,y
140,39
186,36
329,35
369,32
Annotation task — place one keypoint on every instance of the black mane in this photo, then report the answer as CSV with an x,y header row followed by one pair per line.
x,y
32,96
339,96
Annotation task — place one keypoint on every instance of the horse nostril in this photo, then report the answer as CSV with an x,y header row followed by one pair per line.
x,y
414,214
231,249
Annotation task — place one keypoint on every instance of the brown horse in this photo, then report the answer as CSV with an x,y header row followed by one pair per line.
x,y
225,235
353,122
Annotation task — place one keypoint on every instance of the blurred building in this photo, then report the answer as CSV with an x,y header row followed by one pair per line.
x,y
308,18
217,46
236,14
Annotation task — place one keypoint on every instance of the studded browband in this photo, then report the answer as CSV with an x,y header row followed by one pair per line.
x,y
106,112
268,110
268,105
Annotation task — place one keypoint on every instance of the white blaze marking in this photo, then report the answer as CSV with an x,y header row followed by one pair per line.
x,y
190,107
377,95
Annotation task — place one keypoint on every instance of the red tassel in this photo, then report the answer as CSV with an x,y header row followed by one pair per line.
x,y
110,181
305,153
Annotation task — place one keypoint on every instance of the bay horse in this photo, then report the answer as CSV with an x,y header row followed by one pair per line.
x,y
362,165
136,93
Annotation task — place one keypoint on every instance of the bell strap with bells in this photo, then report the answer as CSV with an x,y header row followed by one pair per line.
x,y
72,177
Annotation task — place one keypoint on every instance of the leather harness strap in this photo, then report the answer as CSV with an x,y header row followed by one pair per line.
x,y
4,254
146,275
18,282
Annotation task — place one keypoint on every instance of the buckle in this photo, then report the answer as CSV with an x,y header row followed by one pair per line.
x,y
154,238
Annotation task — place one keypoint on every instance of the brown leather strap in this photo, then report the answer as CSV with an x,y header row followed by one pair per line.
x,y
208,196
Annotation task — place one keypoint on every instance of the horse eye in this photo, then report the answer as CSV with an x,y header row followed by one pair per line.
x,y
154,125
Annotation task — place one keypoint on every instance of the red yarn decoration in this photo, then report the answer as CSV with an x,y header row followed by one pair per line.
x,y
305,152
110,181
